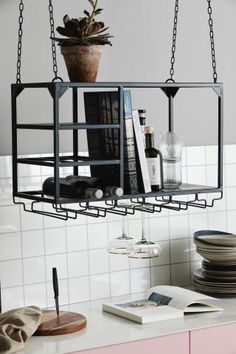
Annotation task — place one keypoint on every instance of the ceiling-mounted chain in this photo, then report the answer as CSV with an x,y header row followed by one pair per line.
x,y
20,37
54,52
174,36
213,54
19,46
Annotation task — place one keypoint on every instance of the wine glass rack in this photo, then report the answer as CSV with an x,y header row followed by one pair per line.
x,y
187,195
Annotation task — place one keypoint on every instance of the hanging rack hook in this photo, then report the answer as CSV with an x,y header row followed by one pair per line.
x,y
170,80
57,78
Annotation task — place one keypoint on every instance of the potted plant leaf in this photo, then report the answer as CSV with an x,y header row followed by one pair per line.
x,y
82,44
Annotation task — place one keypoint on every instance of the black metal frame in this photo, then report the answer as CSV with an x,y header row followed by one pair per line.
x,y
162,199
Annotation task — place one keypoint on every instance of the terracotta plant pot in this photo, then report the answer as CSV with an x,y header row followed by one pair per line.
x,y
82,62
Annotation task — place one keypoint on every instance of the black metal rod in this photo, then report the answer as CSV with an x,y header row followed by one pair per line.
x,y
65,162
90,163
14,140
56,143
67,126
121,121
35,126
50,159
171,114
123,84
75,132
35,161
220,140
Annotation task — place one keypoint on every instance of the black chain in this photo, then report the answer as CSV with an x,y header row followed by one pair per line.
x,y
54,52
173,48
174,36
213,54
19,45
20,37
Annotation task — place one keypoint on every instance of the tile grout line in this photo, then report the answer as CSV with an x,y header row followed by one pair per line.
x,y
88,250
130,269
169,240
67,263
44,256
22,255
189,232
109,260
150,262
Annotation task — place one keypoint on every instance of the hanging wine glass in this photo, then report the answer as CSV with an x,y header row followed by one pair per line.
x,y
144,248
121,244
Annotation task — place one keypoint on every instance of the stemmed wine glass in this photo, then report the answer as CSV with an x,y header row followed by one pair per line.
x,y
144,248
121,244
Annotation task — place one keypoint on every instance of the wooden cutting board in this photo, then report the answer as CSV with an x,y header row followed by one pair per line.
x,y
68,322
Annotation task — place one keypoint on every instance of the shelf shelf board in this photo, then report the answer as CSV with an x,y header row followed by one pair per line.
x,y
67,161
89,163
66,126
185,189
117,84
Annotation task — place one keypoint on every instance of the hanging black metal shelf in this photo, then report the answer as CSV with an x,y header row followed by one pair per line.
x,y
64,208
163,199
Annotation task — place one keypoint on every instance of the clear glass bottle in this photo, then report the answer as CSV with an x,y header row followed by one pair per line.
x,y
154,161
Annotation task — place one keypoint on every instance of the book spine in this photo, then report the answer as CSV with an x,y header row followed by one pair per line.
x,y
115,120
104,119
130,170
109,121
144,180
95,111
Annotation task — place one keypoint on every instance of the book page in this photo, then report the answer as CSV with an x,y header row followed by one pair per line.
x,y
180,298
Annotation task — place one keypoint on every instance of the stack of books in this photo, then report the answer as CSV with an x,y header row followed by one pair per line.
x,y
218,273
104,144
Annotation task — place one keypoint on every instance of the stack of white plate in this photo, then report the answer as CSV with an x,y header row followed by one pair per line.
x,y
218,273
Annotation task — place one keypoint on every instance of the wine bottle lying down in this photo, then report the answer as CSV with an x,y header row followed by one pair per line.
x,y
81,187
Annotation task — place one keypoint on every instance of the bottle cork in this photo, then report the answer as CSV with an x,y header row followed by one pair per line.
x,y
148,129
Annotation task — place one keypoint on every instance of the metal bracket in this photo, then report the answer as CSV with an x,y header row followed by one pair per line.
x,y
55,89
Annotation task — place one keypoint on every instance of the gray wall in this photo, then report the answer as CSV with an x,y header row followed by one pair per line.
x,y
140,52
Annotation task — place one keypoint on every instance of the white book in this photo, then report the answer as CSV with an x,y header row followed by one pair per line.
x,y
141,152
163,303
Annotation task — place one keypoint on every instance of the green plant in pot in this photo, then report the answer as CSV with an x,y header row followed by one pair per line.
x,y
83,43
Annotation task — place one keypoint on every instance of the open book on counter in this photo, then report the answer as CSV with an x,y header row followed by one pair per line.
x,y
163,303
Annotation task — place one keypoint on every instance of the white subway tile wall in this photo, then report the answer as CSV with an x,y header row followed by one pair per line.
x,y
30,245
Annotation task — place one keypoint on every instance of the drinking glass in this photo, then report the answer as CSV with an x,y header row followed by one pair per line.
x,y
171,147
122,243
144,248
